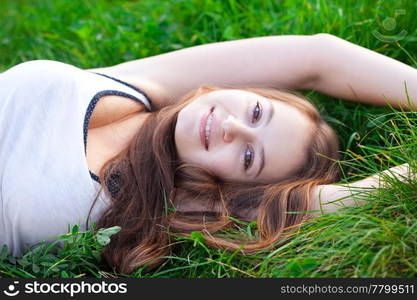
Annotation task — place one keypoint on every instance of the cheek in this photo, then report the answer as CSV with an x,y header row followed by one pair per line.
x,y
221,164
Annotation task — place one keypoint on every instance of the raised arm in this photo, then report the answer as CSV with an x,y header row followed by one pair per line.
x,y
331,197
351,72
273,61
321,62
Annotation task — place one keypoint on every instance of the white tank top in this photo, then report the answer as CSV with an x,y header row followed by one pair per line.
x,y
45,184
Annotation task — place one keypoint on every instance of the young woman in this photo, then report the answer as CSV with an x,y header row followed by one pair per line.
x,y
183,141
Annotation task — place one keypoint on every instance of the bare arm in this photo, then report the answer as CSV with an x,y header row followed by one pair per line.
x,y
331,197
321,62
355,73
272,61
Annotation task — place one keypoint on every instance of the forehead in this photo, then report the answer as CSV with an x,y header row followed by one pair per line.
x,y
285,141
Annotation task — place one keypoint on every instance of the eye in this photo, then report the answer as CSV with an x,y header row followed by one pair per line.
x,y
247,158
256,112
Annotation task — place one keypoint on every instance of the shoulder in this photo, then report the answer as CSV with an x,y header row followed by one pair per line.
x,y
41,65
40,70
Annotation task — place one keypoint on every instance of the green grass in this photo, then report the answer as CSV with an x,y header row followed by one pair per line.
x,y
378,239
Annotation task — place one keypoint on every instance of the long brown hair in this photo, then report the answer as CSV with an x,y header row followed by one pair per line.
x,y
154,188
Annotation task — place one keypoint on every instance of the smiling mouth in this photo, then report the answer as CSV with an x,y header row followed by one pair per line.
x,y
208,127
205,128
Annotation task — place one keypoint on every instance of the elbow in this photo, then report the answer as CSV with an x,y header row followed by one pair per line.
x,y
323,36
313,56
322,58
324,39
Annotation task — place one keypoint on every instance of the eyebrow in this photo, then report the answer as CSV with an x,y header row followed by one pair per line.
x,y
262,152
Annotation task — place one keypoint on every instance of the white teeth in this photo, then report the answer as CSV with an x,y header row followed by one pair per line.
x,y
208,124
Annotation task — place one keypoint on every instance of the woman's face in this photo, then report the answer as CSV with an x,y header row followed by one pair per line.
x,y
242,136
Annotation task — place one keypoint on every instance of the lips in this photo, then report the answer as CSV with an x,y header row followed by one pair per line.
x,y
203,123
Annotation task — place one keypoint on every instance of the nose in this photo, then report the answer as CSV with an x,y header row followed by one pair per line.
x,y
233,128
